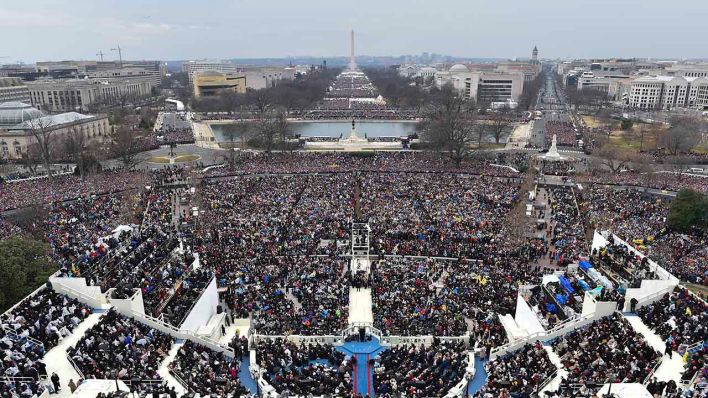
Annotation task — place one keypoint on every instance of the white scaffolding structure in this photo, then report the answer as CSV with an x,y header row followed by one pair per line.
x,y
360,240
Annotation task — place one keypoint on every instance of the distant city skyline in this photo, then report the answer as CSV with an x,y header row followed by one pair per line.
x,y
43,30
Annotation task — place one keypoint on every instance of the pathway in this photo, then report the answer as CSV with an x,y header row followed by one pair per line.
x,y
164,371
363,373
480,376
554,385
360,305
519,136
57,360
670,368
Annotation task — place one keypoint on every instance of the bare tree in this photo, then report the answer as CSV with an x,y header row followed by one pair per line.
x,y
44,136
449,125
261,100
126,146
679,164
76,146
32,157
614,158
679,138
272,127
233,133
500,121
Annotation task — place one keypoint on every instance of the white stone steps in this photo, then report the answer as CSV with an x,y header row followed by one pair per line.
x,y
57,359
554,385
360,305
670,368
164,371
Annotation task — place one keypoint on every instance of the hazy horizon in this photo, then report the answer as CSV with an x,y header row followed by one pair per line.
x,y
43,30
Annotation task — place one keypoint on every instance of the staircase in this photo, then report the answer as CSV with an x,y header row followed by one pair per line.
x,y
561,373
360,305
57,359
164,371
670,368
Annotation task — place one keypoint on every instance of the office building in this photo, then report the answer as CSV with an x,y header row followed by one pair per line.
x,y
483,86
84,95
13,89
155,70
264,77
211,84
668,92
193,67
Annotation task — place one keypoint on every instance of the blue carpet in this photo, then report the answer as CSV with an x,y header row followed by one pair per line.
x,y
244,375
356,347
363,383
480,377
363,376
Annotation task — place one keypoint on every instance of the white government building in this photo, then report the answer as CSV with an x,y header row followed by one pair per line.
x,y
668,92
484,86
18,119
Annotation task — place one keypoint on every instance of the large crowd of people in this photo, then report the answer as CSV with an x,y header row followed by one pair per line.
x,y
639,218
27,332
207,372
351,84
305,370
120,348
606,351
435,215
680,318
275,235
564,132
655,180
518,374
407,370
33,192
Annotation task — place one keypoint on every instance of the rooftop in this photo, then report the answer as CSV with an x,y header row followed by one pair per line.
x,y
14,113
51,120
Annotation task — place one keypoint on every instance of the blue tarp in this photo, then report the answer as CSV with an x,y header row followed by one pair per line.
x,y
583,285
566,284
585,265
561,299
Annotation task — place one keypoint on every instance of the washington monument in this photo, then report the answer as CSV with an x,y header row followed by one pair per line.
x,y
352,61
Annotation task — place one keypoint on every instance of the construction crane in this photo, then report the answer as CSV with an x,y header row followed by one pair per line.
x,y
100,54
120,54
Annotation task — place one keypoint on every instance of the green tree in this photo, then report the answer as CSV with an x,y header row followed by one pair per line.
x,y
688,210
24,266
627,124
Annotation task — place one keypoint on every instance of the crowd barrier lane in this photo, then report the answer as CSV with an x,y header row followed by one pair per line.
x,y
180,380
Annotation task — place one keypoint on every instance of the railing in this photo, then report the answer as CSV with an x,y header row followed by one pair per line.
x,y
653,370
41,383
180,380
547,381
549,334
76,367
21,339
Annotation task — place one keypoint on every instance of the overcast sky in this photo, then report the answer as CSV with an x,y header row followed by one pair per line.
x,y
35,30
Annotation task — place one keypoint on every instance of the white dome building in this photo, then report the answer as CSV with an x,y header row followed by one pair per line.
x,y
459,68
